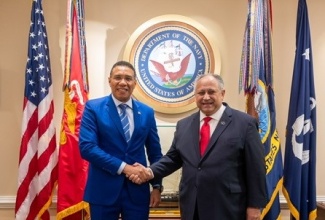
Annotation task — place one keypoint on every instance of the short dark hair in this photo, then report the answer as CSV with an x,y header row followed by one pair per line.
x,y
123,63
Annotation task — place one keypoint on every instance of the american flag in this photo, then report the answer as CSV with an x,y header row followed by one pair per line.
x,y
38,158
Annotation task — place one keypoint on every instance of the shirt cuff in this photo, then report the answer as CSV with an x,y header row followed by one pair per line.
x,y
151,173
121,168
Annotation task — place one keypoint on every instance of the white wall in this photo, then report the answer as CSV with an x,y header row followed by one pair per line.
x,y
108,26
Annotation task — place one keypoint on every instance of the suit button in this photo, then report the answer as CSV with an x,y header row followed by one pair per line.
x,y
199,168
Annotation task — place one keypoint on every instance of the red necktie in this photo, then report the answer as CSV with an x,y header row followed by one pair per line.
x,y
205,135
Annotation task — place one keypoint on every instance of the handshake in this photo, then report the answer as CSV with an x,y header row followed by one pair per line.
x,y
137,173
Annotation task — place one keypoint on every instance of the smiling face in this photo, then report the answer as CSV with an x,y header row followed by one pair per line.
x,y
209,94
122,82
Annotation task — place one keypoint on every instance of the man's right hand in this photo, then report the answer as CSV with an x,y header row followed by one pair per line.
x,y
137,173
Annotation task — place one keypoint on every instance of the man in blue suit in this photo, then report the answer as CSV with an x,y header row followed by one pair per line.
x,y
111,151
226,180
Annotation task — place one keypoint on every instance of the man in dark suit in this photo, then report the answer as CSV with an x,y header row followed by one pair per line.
x,y
226,181
111,150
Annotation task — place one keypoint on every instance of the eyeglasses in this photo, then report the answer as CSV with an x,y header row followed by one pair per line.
x,y
119,78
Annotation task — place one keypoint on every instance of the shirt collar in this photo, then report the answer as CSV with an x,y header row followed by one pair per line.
x,y
117,102
216,116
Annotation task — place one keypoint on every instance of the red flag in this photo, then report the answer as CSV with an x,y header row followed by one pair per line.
x,y
72,168
37,172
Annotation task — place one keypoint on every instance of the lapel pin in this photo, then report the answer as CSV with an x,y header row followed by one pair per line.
x,y
223,123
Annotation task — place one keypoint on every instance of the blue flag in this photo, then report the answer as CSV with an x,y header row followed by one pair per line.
x,y
256,79
273,156
300,152
265,106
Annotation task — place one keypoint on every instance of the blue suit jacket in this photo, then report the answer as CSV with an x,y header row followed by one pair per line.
x,y
228,178
102,143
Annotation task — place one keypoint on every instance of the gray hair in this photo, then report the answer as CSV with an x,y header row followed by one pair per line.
x,y
217,77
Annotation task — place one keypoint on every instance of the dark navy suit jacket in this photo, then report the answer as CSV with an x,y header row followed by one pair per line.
x,y
228,178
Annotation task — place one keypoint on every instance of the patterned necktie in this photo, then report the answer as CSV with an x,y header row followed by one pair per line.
x,y
205,135
125,121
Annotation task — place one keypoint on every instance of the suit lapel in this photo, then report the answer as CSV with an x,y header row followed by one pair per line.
x,y
195,134
112,112
136,118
